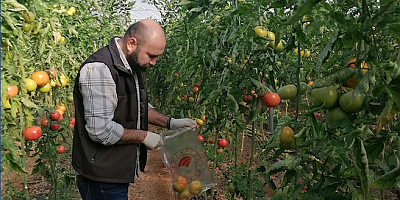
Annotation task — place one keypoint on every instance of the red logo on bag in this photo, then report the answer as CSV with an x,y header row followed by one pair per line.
x,y
188,163
185,161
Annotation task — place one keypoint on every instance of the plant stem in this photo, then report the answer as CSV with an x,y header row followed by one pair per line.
x,y
22,139
253,144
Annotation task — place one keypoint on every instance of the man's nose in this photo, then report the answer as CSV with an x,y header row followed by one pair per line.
x,y
153,61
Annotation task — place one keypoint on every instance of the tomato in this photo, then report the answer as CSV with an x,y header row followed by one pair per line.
x,y
352,106
303,87
271,36
286,135
220,150
307,53
261,31
198,85
179,184
29,17
325,94
62,82
317,115
53,83
45,89
60,111
184,195
195,187
61,149
310,83
30,84
210,140
191,99
44,122
287,92
55,126
53,73
353,82
33,133
12,91
222,142
210,31
72,9
41,78
278,47
70,13
290,145
6,104
71,126
195,90
203,117
62,107
271,100
26,27
55,115
335,114
199,122
200,138
178,99
70,98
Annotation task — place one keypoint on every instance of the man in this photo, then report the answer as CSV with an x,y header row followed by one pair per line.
x,y
112,113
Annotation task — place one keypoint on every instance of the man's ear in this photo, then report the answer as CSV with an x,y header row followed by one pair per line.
x,y
131,44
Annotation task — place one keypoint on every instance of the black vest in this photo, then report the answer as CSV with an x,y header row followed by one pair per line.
x,y
114,163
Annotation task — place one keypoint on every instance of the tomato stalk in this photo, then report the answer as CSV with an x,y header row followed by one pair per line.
x,y
215,160
22,139
253,144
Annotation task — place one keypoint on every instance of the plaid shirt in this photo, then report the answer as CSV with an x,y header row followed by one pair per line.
x,y
100,100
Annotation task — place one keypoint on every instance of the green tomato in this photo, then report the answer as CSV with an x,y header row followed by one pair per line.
x,y
45,89
335,114
287,92
325,94
352,106
70,98
303,87
30,84
28,16
26,27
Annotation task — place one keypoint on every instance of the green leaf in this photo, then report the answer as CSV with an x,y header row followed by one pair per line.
x,y
17,6
184,2
198,9
388,180
324,54
374,147
335,78
28,103
360,160
289,163
305,8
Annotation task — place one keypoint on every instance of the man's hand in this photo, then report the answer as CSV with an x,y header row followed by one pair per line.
x,y
153,140
182,123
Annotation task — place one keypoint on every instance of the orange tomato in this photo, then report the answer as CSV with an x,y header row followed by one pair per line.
x,y
12,91
41,78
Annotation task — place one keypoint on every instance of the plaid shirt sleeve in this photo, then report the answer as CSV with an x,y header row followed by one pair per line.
x,y
100,100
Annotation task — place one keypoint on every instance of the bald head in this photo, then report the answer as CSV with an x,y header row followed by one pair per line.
x,y
145,30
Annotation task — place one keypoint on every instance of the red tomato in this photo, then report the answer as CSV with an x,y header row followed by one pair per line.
x,y
71,126
211,141
44,122
245,98
53,73
55,115
294,112
222,142
54,127
61,149
33,133
198,85
271,100
317,114
72,120
201,139
195,90
249,98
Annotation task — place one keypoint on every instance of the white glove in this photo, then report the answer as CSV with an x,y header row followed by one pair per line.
x,y
153,140
182,123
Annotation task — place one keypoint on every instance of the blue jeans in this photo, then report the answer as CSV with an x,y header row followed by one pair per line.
x,y
94,190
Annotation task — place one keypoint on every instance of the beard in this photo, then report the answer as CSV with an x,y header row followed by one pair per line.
x,y
133,61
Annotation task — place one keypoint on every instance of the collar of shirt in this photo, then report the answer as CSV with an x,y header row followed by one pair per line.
x,y
122,56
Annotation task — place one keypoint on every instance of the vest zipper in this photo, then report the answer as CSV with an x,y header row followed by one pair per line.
x,y
94,155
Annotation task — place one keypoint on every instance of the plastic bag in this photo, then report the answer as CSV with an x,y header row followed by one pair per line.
x,y
183,156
